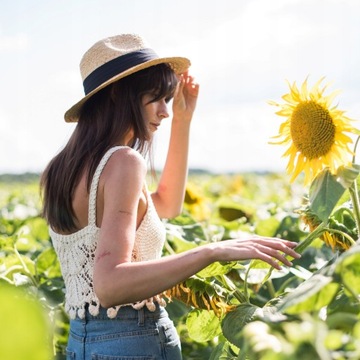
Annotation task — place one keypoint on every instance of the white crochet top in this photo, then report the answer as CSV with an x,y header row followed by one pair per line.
x,y
76,253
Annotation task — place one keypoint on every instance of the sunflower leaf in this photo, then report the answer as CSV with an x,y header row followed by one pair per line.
x,y
348,267
234,322
311,295
203,325
325,192
346,175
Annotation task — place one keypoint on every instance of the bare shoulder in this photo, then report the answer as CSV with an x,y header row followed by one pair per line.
x,y
125,163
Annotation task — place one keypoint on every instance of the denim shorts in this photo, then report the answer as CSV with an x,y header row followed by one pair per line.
x,y
131,335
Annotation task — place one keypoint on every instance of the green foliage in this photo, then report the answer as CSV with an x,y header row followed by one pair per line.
x,y
325,192
25,331
308,311
203,325
29,267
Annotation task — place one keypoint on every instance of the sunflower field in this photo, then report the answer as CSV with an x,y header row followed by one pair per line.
x,y
235,310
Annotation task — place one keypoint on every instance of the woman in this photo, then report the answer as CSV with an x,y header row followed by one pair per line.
x,y
104,223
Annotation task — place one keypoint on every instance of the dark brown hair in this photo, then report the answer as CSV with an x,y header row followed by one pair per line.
x,y
104,121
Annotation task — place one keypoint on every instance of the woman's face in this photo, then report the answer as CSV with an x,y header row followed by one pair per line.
x,y
153,112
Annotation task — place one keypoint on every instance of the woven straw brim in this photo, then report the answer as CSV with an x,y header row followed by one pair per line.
x,y
178,64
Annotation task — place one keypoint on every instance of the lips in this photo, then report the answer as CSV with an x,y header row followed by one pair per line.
x,y
155,125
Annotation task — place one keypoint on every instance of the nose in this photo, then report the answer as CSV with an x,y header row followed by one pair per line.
x,y
163,110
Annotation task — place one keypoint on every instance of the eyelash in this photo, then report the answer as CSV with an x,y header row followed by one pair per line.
x,y
167,99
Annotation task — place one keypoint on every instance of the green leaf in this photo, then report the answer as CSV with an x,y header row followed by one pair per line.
x,y
348,267
234,322
12,261
216,269
224,351
231,210
203,325
178,243
260,271
346,175
311,295
334,340
186,227
25,331
52,289
343,303
289,229
184,237
342,320
267,227
325,192
7,243
39,228
47,263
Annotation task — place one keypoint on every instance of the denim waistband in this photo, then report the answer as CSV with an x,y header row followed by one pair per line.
x,y
127,312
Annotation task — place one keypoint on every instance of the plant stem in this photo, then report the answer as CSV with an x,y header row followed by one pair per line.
x,y
271,289
168,247
228,284
353,190
355,146
299,249
351,291
6,279
246,293
354,195
25,268
310,238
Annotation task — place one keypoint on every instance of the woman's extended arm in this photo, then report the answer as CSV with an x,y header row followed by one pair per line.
x,y
117,280
169,197
127,282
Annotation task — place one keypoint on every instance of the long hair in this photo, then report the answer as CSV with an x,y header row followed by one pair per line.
x,y
105,120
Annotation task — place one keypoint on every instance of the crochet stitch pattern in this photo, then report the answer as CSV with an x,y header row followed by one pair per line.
x,y
76,253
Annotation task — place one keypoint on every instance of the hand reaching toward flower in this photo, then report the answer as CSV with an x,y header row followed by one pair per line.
x,y
270,250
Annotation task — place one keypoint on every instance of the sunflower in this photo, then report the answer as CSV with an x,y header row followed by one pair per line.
x,y
314,131
200,297
195,202
331,238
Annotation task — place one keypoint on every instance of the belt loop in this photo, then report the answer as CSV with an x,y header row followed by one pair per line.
x,y
141,317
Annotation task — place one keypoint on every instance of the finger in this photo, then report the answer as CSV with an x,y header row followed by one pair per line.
x,y
189,79
182,81
282,245
277,255
271,250
289,249
292,253
179,86
270,260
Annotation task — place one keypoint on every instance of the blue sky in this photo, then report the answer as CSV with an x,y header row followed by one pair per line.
x,y
242,54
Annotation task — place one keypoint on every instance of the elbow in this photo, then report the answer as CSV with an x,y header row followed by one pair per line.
x,y
105,292
177,211
172,215
167,208
111,293
172,212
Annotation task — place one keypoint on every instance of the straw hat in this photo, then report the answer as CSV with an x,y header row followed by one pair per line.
x,y
114,58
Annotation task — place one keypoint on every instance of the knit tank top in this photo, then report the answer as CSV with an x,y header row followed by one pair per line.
x,y
76,253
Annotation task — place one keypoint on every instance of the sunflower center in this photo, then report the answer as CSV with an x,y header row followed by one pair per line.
x,y
312,129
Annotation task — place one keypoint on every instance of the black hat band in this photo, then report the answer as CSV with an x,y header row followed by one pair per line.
x,y
116,66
